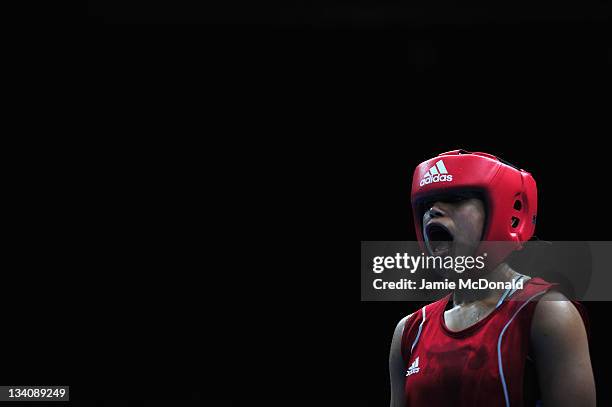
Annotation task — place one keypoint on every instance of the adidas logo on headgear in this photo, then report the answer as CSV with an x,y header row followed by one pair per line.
x,y
437,173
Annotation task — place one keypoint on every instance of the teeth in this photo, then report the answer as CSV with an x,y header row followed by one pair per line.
x,y
441,246
440,240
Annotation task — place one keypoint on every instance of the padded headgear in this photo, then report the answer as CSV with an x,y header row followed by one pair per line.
x,y
509,194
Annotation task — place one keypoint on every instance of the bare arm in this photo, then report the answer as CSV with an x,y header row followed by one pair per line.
x,y
561,352
396,366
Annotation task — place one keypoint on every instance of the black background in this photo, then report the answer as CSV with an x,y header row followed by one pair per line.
x,y
331,14
239,166
239,287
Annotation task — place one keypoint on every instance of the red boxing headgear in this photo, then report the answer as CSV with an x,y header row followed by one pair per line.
x,y
509,194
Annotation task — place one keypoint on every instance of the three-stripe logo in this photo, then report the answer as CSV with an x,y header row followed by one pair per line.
x,y
437,173
414,367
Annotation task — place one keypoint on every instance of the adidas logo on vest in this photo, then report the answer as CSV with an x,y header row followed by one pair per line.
x,y
414,367
437,173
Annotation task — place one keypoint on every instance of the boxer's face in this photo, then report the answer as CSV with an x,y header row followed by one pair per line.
x,y
454,225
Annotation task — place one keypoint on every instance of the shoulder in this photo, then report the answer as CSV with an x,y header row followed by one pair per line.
x,y
555,316
399,336
399,328
417,316
555,307
561,352
422,313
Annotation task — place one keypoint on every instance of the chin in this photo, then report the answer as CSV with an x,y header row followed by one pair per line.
x,y
448,274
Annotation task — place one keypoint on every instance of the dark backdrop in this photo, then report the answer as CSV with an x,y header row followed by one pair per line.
x,y
236,279
226,258
325,14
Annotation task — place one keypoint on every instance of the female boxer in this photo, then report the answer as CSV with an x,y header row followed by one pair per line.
x,y
519,347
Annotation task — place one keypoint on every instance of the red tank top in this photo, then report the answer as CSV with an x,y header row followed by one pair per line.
x,y
483,365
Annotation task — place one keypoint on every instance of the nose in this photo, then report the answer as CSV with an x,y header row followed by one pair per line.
x,y
435,211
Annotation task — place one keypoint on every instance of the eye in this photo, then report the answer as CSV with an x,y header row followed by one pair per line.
x,y
456,199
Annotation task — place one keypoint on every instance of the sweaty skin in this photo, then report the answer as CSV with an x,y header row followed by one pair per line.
x,y
558,336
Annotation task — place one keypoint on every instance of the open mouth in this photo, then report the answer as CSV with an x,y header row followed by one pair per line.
x,y
439,239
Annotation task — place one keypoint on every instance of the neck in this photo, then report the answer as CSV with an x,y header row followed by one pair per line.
x,y
502,272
